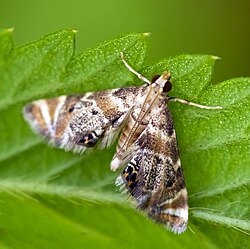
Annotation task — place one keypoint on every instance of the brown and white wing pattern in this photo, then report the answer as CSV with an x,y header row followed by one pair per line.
x,y
153,178
79,121
147,148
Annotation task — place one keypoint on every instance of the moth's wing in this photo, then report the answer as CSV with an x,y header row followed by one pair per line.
x,y
79,121
153,178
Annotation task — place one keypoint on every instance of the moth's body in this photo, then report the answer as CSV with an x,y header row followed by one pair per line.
x,y
147,145
147,149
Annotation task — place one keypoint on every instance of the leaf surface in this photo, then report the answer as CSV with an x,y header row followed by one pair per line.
x,y
55,199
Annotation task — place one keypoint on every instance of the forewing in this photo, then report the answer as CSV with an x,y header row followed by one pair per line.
x,y
153,178
79,121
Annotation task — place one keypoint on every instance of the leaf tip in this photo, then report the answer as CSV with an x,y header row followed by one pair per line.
x,y
74,31
4,31
147,34
10,30
215,57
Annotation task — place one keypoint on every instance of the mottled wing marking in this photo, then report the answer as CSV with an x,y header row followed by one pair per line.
x,y
79,121
153,177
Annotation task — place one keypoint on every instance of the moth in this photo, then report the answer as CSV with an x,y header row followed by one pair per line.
x,y
147,149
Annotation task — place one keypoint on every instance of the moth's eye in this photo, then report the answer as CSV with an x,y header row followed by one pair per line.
x,y
167,87
88,140
155,78
71,109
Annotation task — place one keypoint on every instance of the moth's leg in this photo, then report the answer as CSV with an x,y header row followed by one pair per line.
x,y
133,71
174,99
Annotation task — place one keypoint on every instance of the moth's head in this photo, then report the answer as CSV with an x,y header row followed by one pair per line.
x,y
163,81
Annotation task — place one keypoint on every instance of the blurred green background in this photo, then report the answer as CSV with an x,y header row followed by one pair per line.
x,y
218,27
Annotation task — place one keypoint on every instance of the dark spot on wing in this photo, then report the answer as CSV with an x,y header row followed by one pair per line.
x,y
168,125
71,109
86,103
173,149
123,92
94,112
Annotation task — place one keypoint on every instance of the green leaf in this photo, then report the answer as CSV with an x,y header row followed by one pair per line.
x,y
6,44
55,199
37,64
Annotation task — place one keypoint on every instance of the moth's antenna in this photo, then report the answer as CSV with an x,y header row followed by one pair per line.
x,y
183,101
133,71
